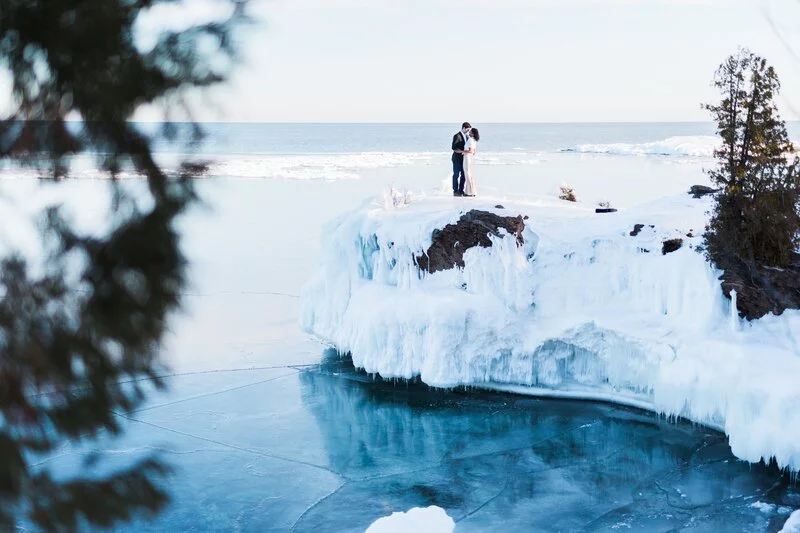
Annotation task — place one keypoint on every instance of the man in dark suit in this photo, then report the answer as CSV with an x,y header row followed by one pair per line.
x,y
459,140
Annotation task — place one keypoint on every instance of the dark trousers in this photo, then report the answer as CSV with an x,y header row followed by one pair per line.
x,y
458,173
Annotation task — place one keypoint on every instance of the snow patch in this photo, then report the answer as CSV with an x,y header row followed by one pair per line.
x,y
792,524
770,508
583,310
418,520
766,508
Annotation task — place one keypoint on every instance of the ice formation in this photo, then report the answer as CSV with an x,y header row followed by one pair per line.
x,y
686,146
583,309
792,524
419,520
769,508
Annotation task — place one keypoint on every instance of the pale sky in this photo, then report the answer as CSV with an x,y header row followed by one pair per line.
x,y
502,60
498,60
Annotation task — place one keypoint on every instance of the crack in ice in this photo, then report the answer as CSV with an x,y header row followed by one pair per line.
x,y
214,393
315,504
231,446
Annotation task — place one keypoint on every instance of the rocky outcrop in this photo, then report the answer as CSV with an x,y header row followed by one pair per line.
x,y
698,191
472,229
760,289
637,228
671,245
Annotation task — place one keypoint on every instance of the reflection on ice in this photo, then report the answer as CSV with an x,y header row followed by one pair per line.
x,y
328,448
507,463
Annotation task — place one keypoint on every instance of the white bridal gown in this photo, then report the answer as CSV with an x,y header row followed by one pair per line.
x,y
469,178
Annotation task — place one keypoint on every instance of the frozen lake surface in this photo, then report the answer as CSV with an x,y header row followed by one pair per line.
x,y
325,448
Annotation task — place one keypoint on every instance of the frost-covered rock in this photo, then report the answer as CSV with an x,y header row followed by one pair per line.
x,y
576,309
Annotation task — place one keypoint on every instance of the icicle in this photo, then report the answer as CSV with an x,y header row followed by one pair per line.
x,y
734,312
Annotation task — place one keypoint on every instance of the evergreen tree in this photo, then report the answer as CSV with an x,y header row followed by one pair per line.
x,y
755,219
77,350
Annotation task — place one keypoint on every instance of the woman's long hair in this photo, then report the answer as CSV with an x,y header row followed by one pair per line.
x,y
476,134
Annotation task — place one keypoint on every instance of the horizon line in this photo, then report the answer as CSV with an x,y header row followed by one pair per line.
x,y
389,122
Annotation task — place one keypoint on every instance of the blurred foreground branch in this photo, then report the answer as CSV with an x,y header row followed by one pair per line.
x,y
79,73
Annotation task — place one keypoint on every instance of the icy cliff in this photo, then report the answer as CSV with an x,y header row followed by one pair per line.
x,y
582,305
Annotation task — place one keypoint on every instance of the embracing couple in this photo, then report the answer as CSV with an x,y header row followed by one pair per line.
x,y
464,144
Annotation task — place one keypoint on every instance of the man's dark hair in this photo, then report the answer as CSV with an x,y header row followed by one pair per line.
x,y
466,125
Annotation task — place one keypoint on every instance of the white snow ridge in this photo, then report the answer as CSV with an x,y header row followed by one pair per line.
x,y
582,309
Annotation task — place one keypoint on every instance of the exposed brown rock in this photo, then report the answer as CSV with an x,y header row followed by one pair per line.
x,y
670,245
472,229
636,229
701,190
760,289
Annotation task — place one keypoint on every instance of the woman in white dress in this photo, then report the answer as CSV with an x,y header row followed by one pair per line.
x,y
469,154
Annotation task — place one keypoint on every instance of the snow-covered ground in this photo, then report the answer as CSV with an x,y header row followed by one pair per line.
x,y
582,310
